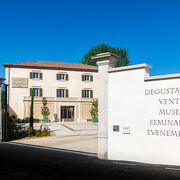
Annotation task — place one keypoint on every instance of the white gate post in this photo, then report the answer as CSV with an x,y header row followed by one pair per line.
x,y
104,62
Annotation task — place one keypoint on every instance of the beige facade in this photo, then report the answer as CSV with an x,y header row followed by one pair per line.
x,y
48,84
81,107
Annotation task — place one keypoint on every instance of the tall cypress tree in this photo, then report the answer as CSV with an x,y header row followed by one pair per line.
x,y
32,110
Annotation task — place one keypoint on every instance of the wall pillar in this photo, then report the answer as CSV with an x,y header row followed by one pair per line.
x,y
104,62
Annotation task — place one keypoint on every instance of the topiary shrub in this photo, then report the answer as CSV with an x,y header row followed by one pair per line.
x,y
94,111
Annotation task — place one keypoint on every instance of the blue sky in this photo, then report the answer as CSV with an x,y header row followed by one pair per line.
x,y
55,30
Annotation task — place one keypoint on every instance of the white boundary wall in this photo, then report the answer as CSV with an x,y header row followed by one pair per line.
x,y
147,112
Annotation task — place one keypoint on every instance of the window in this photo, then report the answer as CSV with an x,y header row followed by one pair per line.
x,y
86,93
36,75
87,78
37,92
62,92
62,77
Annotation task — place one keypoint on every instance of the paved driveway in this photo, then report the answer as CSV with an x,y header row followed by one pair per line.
x,y
71,136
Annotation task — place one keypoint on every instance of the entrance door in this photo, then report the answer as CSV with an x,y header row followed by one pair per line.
x,y
67,113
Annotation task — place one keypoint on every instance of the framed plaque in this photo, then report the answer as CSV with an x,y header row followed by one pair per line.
x,y
19,82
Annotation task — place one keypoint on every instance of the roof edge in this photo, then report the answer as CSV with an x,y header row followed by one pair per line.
x,y
53,68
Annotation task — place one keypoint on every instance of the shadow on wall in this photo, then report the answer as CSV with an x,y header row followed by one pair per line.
x,y
11,111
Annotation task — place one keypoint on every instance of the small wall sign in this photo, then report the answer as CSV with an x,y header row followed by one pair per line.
x,y
126,130
116,128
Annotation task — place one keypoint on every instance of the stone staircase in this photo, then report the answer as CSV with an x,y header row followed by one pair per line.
x,y
71,129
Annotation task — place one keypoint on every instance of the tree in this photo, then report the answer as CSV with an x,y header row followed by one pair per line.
x,y
31,119
94,108
45,110
102,48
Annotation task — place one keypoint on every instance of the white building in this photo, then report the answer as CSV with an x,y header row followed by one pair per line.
x,y
69,88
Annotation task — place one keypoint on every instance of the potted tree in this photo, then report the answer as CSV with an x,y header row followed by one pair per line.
x,y
45,110
94,111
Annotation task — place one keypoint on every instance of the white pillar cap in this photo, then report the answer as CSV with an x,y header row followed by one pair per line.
x,y
106,58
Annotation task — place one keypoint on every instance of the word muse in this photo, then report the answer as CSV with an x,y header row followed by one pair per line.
x,y
175,90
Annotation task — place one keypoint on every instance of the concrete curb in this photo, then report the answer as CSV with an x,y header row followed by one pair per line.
x,y
53,149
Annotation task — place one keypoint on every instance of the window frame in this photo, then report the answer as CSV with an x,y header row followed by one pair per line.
x,y
85,78
86,93
38,92
62,92
64,75
36,73
62,79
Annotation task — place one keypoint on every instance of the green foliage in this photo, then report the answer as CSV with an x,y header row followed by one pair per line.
x,y
45,110
102,48
13,131
31,132
44,132
14,118
94,108
3,94
32,110
38,133
27,120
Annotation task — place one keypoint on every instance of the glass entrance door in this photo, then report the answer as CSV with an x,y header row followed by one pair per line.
x,y
67,113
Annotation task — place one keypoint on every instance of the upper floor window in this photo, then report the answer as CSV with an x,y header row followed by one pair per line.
x,y
87,93
62,77
37,92
36,75
62,92
87,78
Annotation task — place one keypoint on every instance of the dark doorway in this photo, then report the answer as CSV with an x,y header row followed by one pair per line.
x,y
67,113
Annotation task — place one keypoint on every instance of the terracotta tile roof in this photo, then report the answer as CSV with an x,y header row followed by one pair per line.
x,y
53,65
